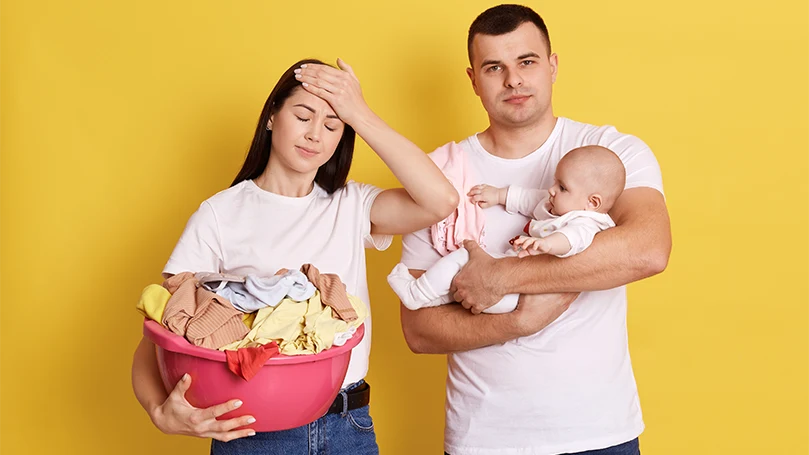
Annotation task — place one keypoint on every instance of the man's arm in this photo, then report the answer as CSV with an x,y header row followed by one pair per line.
x,y
451,328
637,247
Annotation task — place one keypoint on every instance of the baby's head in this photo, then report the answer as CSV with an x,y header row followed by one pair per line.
x,y
587,178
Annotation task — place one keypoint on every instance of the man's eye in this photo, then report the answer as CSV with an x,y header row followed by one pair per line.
x,y
493,68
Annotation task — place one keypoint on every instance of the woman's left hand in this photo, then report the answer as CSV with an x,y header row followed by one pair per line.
x,y
338,87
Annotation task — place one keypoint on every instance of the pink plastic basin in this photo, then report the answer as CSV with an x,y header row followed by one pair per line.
x,y
288,392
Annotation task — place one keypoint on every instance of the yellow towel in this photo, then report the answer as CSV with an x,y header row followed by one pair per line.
x,y
153,301
305,327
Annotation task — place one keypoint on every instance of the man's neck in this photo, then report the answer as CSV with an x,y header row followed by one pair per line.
x,y
512,142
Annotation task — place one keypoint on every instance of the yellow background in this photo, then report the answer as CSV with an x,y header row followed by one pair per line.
x,y
119,118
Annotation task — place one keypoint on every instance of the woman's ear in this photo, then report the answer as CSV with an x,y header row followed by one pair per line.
x,y
269,123
595,201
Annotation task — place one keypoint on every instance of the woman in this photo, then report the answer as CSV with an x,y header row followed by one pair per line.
x,y
289,205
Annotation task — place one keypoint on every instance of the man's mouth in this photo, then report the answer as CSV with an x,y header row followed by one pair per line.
x,y
517,99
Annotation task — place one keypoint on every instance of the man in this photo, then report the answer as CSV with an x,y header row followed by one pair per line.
x,y
554,376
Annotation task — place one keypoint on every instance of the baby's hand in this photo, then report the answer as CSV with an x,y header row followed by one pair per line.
x,y
530,246
486,195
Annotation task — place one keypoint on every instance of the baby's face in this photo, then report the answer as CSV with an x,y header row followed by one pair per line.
x,y
569,191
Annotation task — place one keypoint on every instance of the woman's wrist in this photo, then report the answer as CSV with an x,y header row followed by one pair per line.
x,y
366,121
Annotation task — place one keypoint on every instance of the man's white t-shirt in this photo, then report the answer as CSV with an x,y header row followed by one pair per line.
x,y
245,229
569,387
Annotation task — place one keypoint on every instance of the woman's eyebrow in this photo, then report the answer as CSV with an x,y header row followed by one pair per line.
x,y
310,109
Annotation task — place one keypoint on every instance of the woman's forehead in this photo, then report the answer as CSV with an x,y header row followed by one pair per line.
x,y
301,96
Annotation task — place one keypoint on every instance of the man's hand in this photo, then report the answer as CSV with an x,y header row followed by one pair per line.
x,y
476,287
536,311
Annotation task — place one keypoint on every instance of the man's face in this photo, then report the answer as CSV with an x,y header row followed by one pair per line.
x,y
513,76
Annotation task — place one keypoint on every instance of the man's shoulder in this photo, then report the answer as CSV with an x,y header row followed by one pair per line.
x,y
581,134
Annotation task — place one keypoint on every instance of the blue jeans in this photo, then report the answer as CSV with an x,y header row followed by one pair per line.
x,y
628,448
349,432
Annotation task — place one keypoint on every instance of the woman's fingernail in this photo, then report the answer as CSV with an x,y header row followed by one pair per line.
x,y
303,66
298,76
237,403
185,377
251,420
251,433
297,71
305,84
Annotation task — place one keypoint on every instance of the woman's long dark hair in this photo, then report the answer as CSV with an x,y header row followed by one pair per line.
x,y
331,176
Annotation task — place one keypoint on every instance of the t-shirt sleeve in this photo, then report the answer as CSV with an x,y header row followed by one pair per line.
x,y
199,248
417,250
642,168
580,233
524,200
368,195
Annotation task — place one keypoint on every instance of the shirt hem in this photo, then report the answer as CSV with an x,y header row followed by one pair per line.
x,y
577,446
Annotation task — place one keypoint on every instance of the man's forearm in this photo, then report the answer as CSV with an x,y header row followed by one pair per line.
x,y
451,328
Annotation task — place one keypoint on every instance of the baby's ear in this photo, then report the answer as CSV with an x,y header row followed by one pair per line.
x,y
594,202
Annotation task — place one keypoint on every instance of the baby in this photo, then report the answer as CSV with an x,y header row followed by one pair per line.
x,y
565,219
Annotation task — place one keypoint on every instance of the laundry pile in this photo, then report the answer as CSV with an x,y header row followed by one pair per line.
x,y
253,318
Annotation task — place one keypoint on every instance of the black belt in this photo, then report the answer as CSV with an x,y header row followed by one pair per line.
x,y
357,398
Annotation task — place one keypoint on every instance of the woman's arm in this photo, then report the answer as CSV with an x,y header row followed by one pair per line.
x,y
427,197
172,413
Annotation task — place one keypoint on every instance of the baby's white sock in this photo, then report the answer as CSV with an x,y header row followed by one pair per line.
x,y
440,274
414,293
430,289
506,305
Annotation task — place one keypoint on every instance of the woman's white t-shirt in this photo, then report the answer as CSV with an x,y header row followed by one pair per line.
x,y
246,230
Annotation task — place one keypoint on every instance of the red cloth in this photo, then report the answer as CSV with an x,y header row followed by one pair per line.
x,y
246,362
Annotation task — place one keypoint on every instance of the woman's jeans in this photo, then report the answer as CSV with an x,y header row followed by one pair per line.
x,y
348,432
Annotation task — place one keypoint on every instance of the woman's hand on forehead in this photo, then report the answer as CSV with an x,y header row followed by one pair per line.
x,y
338,87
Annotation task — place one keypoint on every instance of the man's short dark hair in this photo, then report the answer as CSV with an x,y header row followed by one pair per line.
x,y
502,19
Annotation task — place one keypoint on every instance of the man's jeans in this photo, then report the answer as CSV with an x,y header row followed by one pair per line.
x,y
349,432
628,448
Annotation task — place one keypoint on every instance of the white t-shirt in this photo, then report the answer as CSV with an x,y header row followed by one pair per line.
x,y
245,229
570,387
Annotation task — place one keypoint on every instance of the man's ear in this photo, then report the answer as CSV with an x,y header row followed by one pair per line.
x,y
471,74
554,62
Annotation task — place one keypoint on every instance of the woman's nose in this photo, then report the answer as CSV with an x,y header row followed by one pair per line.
x,y
312,135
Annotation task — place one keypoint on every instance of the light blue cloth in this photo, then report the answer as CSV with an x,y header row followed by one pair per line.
x,y
257,292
